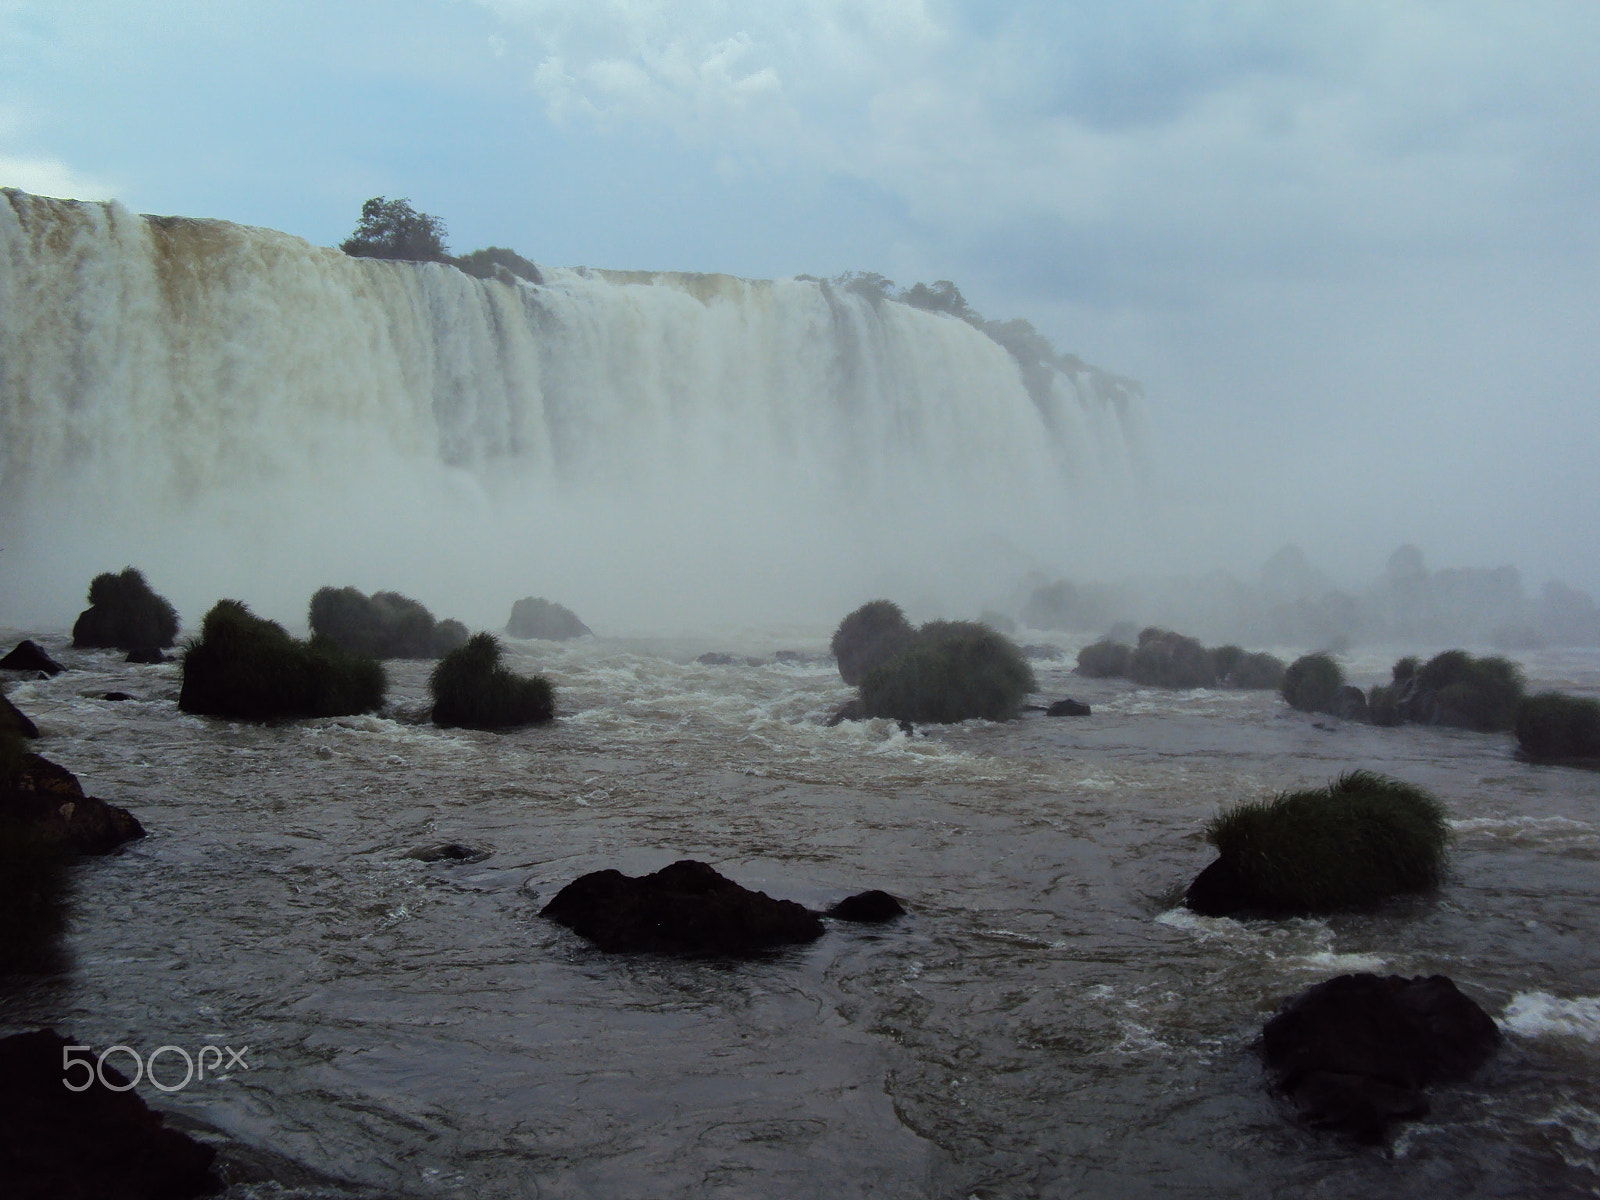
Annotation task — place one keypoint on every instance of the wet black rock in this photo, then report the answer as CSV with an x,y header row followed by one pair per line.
x,y
1068,708
448,852
686,908
1353,1054
147,655
868,908
115,697
30,656
47,801
104,1142
14,719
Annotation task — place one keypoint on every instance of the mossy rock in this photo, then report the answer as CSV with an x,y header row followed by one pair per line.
x,y
1555,727
1104,659
244,666
1358,841
1312,683
473,690
872,634
125,614
950,671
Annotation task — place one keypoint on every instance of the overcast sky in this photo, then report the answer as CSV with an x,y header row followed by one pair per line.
x,y
1349,248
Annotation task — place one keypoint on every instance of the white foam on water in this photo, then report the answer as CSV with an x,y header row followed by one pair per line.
x,y
1539,1014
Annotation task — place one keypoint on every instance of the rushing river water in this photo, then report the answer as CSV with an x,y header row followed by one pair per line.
x,y
1044,1023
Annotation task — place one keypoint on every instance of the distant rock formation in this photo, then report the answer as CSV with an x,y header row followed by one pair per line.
x,y
536,617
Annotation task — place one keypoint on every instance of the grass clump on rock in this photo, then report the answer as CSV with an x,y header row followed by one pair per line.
x,y
949,671
1171,660
1105,659
1553,726
384,625
873,633
1473,693
125,614
1257,672
1353,843
1312,682
248,667
472,689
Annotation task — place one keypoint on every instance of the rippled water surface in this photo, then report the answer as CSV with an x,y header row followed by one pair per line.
x,y
1044,1023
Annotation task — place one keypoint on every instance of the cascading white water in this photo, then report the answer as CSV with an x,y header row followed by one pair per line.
x,y
241,413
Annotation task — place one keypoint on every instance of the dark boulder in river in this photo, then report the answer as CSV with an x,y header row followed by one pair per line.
x,y
14,719
47,801
73,1130
536,617
1068,708
867,908
1354,1053
687,908
147,656
30,656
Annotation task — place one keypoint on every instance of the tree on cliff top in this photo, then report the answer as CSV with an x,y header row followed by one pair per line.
x,y
393,229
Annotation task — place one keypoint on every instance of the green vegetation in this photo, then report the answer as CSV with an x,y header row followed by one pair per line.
x,y
246,667
1312,683
496,262
472,689
1473,693
1350,844
1553,725
1104,659
393,229
126,614
871,634
1383,705
949,671
1170,660
1257,672
386,625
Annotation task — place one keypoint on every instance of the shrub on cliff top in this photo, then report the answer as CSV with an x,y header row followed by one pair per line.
x,y
871,634
245,666
949,671
125,614
472,689
1312,682
1350,844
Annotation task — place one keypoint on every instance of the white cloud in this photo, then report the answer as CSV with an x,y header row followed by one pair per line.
x,y
1348,122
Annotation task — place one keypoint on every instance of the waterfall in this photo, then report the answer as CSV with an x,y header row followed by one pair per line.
x,y
241,413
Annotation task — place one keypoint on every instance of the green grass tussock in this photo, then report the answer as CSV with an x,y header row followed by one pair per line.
x,y
1104,659
1348,845
949,671
472,689
244,666
1257,672
1312,682
1553,725
1474,693
384,625
125,614
872,634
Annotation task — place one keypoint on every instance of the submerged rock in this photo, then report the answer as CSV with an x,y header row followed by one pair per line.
x,y
102,1142
147,655
48,802
448,852
1353,1054
868,908
686,908
1068,708
30,656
